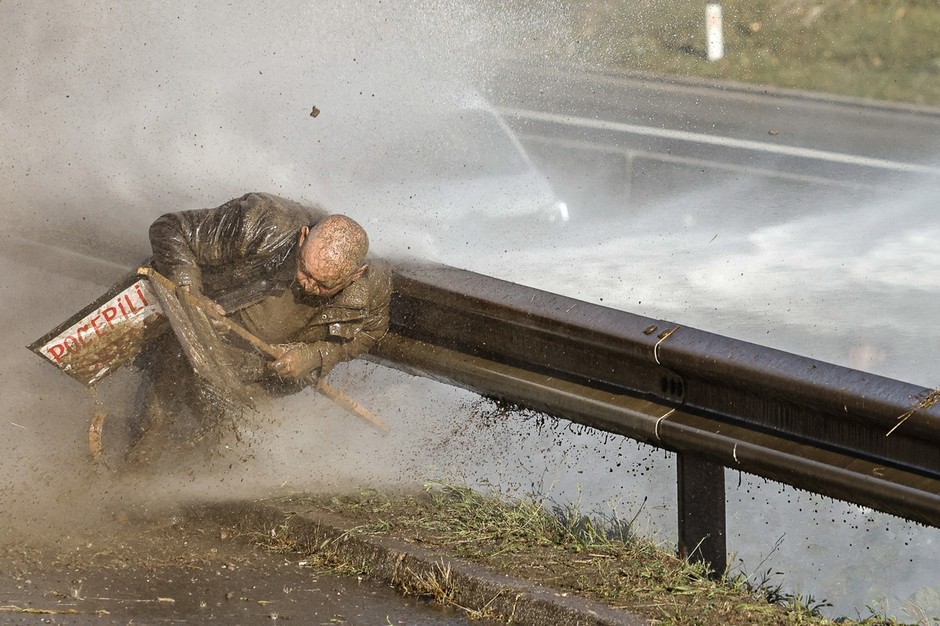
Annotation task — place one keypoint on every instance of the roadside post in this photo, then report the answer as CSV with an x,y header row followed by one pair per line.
x,y
714,32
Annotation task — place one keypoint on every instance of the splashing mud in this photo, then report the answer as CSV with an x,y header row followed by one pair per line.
x,y
114,115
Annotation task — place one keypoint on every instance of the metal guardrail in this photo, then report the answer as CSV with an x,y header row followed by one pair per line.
x,y
716,402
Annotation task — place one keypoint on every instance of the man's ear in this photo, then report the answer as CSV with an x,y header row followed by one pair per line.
x,y
304,231
360,272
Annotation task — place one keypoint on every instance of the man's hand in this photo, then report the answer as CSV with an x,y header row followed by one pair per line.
x,y
298,360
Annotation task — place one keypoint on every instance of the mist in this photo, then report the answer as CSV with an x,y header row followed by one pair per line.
x,y
114,114
117,113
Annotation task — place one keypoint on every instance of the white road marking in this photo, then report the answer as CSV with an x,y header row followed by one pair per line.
x,y
728,142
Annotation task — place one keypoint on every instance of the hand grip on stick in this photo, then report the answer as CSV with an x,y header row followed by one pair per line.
x,y
323,388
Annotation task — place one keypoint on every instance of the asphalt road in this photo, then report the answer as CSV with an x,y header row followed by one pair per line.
x,y
634,140
744,123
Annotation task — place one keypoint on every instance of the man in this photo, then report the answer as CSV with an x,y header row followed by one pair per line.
x,y
294,276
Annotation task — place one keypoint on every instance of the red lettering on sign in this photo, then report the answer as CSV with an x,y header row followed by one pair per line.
x,y
140,294
57,351
79,331
130,304
109,314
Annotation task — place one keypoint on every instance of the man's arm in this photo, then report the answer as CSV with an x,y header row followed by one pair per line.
x,y
348,339
248,231
334,352
186,241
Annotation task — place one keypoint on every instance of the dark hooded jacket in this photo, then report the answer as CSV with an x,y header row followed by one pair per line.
x,y
243,255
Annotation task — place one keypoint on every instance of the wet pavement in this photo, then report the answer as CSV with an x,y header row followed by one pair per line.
x,y
196,581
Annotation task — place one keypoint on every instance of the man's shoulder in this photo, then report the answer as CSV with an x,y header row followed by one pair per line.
x,y
379,275
373,289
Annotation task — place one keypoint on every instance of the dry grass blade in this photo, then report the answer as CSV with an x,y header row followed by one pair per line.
x,y
435,583
929,400
11,608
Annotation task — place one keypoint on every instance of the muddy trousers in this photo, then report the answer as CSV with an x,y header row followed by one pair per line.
x,y
172,410
175,410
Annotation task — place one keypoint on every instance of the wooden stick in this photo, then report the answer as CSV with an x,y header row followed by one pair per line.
x,y
95,429
351,405
323,388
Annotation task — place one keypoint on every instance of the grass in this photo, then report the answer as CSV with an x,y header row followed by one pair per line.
x,y
566,550
878,49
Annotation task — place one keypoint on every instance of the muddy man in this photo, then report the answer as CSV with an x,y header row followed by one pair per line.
x,y
293,275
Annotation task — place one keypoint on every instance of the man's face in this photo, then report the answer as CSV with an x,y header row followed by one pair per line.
x,y
319,271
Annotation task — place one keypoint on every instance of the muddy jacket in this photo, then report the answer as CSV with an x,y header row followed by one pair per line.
x,y
243,254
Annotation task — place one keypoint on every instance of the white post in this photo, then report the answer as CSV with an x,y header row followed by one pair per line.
x,y
714,33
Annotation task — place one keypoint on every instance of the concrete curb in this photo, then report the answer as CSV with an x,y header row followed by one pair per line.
x,y
410,567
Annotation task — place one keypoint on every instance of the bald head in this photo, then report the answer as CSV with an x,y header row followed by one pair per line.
x,y
332,255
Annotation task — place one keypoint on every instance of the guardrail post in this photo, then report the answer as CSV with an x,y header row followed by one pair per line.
x,y
701,506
